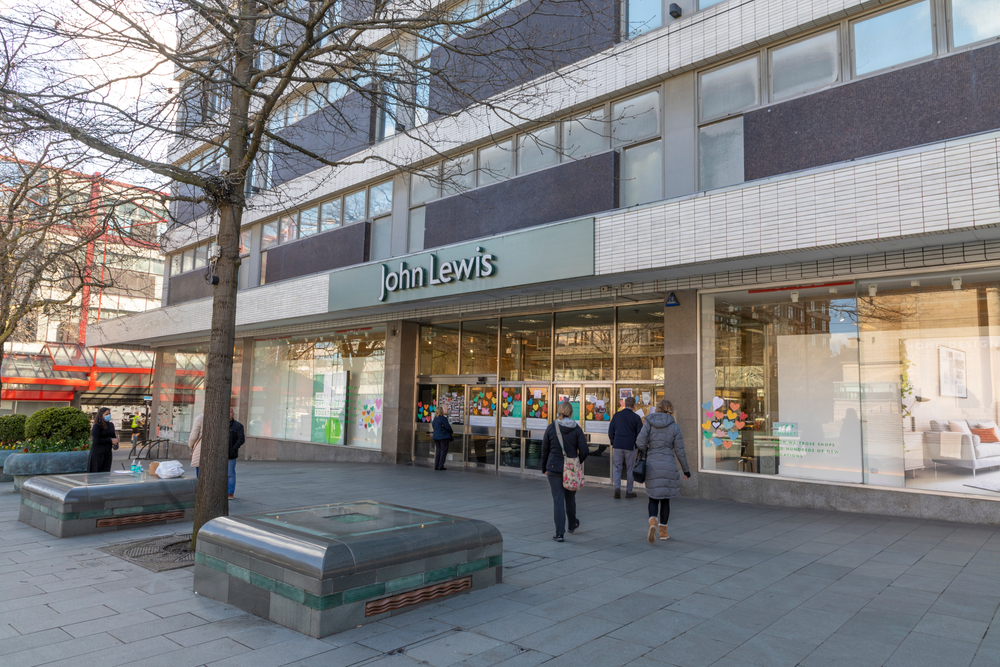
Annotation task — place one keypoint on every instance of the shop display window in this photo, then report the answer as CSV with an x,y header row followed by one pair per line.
x,y
182,389
526,348
640,342
438,353
479,347
585,345
890,382
324,390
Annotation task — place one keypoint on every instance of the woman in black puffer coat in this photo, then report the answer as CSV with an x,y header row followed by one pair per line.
x,y
564,501
661,438
103,439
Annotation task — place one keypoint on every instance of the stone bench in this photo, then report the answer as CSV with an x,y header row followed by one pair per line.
x,y
4,454
322,570
22,466
67,505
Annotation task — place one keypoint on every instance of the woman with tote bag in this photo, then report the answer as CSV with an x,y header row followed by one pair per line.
x,y
558,446
442,436
661,440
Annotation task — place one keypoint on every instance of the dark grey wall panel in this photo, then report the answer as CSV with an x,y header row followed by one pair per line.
x,y
532,39
570,190
334,132
933,101
188,287
329,250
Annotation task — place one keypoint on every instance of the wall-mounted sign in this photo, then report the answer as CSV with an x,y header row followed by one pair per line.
x,y
438,273
672,300
785,429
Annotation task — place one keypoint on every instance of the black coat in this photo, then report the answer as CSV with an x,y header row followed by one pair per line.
x,y
573,440
101,435
442,429
236,438
624,429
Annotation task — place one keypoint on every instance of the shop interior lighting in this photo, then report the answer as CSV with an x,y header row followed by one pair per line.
x,y
795,297
956,283
872,290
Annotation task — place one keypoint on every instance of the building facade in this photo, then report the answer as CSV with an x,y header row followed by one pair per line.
x,y
783,217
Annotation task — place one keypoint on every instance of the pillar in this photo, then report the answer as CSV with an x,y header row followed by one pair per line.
x,y
399,391
681,376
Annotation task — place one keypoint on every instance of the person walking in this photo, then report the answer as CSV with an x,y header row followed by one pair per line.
x,y
622,432
194,442
573,444
442,436
663,443
137,422
103,442
237,437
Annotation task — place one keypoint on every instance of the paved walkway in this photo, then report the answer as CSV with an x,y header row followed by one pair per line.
x,y
736,585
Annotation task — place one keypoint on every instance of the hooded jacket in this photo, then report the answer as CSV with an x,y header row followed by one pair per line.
x,y
661,439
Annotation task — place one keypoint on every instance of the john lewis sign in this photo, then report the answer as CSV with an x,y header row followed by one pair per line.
x,y
438,273
546,254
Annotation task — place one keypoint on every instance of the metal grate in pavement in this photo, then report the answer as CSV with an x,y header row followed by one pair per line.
x,y
158,554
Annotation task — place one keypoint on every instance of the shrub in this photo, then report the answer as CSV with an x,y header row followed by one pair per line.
x,y
37,445
11,430
56,424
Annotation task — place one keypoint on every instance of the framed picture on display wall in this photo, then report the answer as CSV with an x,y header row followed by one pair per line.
x,y
951,365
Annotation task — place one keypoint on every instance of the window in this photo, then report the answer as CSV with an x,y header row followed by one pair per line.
x,y
289,228
459,175
479,347
424,187
585,345
585,134
466,10
309,222
243,279
526,348
415,230
974,21
705,4
381,247
642,173
354,207
380,199
537,150
387,69
636,118
187,260
893,38
720,154
642,16
175,264
269,235
200,256
329,214
496,162
730,89
805,65
438,353
640,342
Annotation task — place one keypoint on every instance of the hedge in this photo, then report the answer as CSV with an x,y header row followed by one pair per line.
x,y
11,430
58,424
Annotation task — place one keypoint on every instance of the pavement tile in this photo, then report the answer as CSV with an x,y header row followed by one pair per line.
x,y
952,627
601,652
771,651
690,650
921,650
847,651
451,648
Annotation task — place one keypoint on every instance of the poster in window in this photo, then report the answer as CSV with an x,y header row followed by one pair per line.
x,y
483,408
329,415
510,407
537,409
952,370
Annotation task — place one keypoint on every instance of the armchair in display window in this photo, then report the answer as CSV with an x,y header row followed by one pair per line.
x,y
952,442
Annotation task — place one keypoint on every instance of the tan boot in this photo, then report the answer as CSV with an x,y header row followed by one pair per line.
x,y
663,533
651,536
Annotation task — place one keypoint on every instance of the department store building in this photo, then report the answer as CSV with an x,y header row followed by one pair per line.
x,y
782,216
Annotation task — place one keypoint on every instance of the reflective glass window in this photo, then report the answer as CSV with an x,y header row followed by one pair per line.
x,y
200,256
526,348
288,228
642,16
640,342
537,150
479,347
730,89
187,260
438,353
175,264
354,207
381,247
415,230
973,21
269,235
893,38
806,65
380,199
496,162
720,154
642,173
636,118
584,348
309,221
585,134
245,242
329,214
423,187
459,175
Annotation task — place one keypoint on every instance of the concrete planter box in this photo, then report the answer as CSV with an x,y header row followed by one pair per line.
x,y
22,466
4,453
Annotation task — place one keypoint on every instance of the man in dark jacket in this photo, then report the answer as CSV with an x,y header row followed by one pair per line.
x,y
236,440
622,432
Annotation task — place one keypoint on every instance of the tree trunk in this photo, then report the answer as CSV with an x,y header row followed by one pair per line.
x,y
211,497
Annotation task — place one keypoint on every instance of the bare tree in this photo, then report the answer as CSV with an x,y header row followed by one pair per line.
x,y
266,91
51,216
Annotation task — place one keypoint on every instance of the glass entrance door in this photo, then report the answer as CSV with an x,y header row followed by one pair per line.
x,y
597,412
511,408
482,425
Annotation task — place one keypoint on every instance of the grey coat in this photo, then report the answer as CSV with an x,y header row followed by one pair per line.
x,y
661,438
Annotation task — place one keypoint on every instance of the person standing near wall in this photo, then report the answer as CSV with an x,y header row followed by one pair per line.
x,y
575,444
103,441
442,436
236,439
622,432
194,442
661,438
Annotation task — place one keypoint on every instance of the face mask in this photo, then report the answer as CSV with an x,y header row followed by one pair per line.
x,y
107,418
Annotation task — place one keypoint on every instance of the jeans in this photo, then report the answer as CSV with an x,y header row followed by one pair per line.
x,y
563,502
626,457
232,476
440,453
664,509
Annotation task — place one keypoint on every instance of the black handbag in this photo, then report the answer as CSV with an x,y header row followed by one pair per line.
x,y
639,471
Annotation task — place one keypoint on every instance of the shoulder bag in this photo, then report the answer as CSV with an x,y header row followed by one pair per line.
x,y
639,470
572,468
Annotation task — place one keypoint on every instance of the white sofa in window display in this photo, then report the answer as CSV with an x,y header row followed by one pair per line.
x,y
952,442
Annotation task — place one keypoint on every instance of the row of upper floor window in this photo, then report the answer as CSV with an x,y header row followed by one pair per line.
x,y
831,55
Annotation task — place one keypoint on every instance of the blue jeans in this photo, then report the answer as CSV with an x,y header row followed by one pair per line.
x,y
232,476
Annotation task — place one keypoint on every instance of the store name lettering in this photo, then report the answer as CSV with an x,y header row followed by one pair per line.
x,y
480,266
